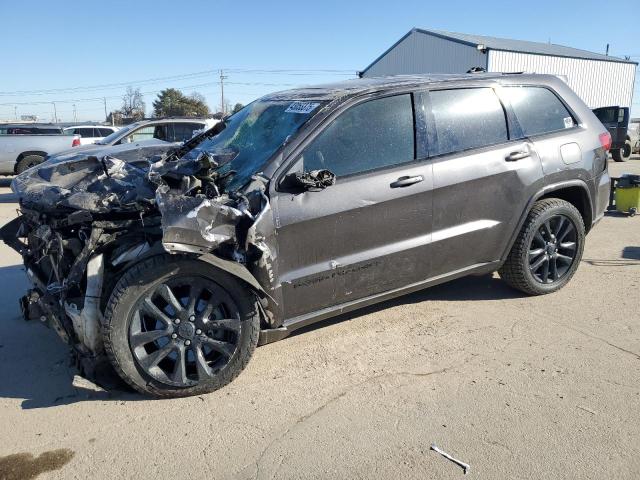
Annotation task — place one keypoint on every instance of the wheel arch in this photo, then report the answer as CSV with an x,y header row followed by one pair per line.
x,y
39,153
576,192
234,269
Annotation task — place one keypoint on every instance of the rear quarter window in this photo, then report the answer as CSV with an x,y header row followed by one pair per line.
x,y
467,118
538,110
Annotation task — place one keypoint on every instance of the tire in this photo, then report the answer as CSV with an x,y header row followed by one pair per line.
x,y
538,233
626,151
617,155
213,353
27,162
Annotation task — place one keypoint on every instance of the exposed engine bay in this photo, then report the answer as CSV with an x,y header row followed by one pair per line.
x,y
83,223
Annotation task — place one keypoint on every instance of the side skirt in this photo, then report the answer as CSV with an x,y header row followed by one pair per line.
x,y
292,324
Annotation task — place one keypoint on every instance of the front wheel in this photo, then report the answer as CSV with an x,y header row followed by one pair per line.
x,y
176,327
548,248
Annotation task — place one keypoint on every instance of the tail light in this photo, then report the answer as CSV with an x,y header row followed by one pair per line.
x,y
76,142
605,141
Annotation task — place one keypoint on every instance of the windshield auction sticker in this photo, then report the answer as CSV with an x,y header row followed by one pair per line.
x,y
301,107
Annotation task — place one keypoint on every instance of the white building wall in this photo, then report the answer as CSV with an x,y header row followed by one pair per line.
x,y
597,83
420,53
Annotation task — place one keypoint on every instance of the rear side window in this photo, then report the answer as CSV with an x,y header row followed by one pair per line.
x,y
105,132
374,134
538,110
467,118
85,132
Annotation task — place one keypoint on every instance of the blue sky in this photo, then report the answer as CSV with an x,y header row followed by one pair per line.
x,y
64,45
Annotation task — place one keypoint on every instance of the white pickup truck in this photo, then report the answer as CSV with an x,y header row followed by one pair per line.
x,y
20,152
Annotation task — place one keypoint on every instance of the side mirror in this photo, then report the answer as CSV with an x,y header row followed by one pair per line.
x,y
309,181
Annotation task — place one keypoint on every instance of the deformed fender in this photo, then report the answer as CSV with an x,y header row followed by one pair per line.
x,y
236,269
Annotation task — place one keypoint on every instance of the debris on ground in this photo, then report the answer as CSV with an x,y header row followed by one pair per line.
x,y
465,467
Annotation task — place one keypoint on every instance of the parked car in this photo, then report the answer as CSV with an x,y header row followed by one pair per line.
x,y
20,151
303,205
634,134
173,130
90,134
616,120
30,129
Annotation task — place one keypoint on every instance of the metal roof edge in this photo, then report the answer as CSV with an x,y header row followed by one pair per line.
x,y
387,51
445,37
612,59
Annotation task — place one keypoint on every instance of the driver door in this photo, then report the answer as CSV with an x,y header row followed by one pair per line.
x,y
368,233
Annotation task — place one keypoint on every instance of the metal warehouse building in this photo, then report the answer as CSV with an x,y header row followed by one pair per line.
x,y
600,80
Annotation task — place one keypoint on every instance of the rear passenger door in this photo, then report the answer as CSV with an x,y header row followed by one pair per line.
x,y
483,176
546,121
370,232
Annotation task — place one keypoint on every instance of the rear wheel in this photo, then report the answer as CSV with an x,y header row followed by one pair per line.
x,y
176,327
626,150
27,162
548,249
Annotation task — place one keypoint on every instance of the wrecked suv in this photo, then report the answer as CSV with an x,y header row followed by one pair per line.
x,y
303,205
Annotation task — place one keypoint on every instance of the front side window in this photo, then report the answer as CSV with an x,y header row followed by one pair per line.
x,y
184,131
538,110
105,132
467,118
371,135
144,133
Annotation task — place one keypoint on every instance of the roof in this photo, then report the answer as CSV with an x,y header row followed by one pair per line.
x,y
509,45
356,86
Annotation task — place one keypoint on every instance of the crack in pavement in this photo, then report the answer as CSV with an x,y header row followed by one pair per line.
x,y
332,400
595,337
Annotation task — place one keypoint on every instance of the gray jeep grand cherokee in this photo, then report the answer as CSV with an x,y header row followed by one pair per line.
x,y
306,204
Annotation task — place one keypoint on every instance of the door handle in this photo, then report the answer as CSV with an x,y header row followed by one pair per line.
x,y
514,156
406,181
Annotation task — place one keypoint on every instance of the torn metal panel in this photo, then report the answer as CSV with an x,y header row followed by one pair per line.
x,y
199,222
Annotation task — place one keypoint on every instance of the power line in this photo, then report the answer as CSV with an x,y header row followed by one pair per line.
x,y
204,73
199,85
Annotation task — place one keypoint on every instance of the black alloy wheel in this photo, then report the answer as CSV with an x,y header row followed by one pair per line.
x,y
552,250
184,331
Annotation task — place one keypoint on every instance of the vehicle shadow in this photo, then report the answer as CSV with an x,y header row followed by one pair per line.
x,y
35,362
471,288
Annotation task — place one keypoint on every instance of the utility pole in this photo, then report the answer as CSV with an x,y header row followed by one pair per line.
x,y
75,114
15,112
222,79
104,99
55,113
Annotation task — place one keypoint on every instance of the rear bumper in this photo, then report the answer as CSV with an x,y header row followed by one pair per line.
x,y
601,200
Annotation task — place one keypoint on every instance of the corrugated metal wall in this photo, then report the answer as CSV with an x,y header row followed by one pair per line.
x,y
419,53
598,83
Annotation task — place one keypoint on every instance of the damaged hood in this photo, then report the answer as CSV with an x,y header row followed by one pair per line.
x,y
130,152
85,182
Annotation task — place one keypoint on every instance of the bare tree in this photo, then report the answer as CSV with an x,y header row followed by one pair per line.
x,y
133,104
198,97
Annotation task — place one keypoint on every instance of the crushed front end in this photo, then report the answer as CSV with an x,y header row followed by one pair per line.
x,y
84,222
